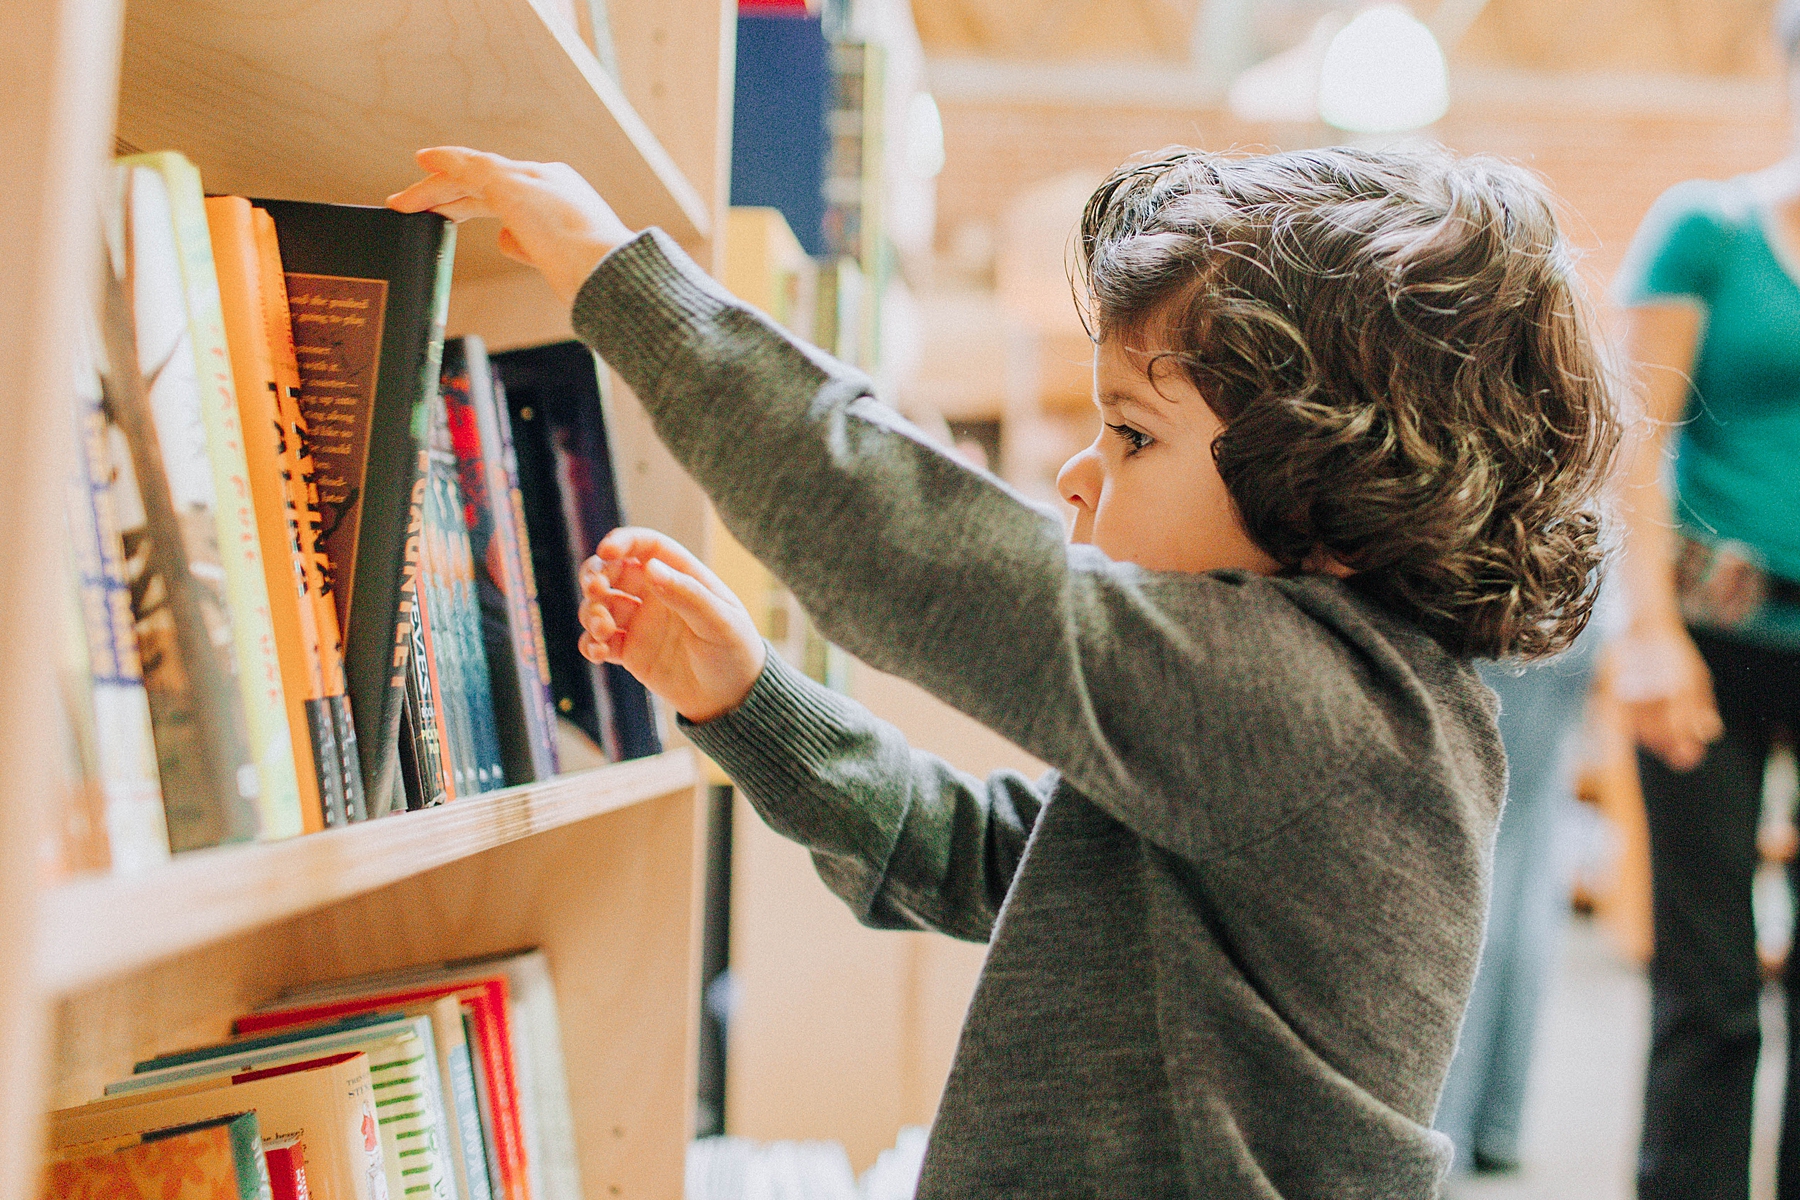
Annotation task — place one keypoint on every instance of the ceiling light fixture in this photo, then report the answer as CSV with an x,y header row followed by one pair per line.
x,y
1383,73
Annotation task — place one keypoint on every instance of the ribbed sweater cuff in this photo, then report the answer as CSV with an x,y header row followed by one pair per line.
x,y
640,305
781,738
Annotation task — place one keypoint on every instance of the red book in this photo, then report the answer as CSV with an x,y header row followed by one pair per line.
x,y
486,999
286,1157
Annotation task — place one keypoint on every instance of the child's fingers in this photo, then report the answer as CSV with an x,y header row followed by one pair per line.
x,y
690,599
629,543
618,608
597,651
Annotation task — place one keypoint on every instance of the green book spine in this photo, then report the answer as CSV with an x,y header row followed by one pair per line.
x,y
240,552
410,1116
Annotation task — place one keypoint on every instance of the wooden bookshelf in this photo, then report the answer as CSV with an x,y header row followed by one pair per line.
x,y
326,100
208,895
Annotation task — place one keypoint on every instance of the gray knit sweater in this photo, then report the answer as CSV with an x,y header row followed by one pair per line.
x,y
1233,932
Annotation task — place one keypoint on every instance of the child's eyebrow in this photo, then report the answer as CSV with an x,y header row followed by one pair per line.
x,y
1127,400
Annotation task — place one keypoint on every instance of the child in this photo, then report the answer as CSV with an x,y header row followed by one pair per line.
x,y
1353,425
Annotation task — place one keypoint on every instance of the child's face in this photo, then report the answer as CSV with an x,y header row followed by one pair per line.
x,y
1147,490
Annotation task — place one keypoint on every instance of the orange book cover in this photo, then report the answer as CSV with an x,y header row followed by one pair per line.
x,y
330,1103
317,574
228,220
217,1159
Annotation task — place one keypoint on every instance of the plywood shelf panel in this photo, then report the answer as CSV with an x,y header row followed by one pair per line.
x,y
106,926
327,100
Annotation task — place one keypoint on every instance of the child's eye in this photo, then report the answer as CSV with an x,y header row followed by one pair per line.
x,y
1136,439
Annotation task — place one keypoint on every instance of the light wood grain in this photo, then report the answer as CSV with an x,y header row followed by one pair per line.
x,y
680,81
328,99
110,925
58,60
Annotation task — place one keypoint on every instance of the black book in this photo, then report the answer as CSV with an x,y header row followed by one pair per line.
x,y
571,501
368,289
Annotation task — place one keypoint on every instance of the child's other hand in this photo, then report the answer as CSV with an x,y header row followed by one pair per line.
x,y
550,217
653,608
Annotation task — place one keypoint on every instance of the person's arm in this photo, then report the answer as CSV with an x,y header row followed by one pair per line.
x,y
1664,284
905,839
1661,677
1159,696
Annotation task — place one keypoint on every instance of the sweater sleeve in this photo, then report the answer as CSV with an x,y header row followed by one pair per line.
x,y
905,839
1199,710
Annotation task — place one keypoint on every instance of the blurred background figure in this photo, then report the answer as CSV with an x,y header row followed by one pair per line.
x,y
1541,720
1712,658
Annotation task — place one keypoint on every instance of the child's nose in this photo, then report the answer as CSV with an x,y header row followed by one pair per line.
x,y
1079,480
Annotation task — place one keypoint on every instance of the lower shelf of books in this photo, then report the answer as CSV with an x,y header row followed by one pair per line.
x,y
100,927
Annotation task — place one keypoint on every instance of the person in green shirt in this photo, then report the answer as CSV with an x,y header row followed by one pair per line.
x,y
1710,663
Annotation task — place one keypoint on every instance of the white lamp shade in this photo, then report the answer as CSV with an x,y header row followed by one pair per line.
x,y
1383,73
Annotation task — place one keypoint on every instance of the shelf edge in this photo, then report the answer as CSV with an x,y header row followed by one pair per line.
x,y
91,929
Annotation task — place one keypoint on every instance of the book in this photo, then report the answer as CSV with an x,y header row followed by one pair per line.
x,y
163,494
571,501
75,841
269,459
245,586
533,1043
221,1158
473,705
491,1043
447,664
512,632
123,751
330,1103
368,289
285,1158
315,564
411,1114
427,776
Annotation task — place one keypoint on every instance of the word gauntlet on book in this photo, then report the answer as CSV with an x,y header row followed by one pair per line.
x,y
312,576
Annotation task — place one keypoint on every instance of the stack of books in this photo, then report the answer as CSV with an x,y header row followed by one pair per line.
x,y
442,1082
314,576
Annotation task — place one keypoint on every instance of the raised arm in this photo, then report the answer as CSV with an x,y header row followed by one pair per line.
x,y
1137,686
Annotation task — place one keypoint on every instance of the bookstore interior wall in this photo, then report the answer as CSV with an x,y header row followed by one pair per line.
x,y
324,101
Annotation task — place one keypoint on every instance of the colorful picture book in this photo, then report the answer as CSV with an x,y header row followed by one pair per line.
x,y
329,1103
221,1158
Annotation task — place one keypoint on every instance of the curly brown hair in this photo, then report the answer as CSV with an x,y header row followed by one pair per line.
x,y
1405,362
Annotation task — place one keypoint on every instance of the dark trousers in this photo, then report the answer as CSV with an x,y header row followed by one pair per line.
x,y
1705,979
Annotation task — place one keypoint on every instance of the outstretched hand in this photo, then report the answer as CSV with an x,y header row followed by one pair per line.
x,y
550,217
653,608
